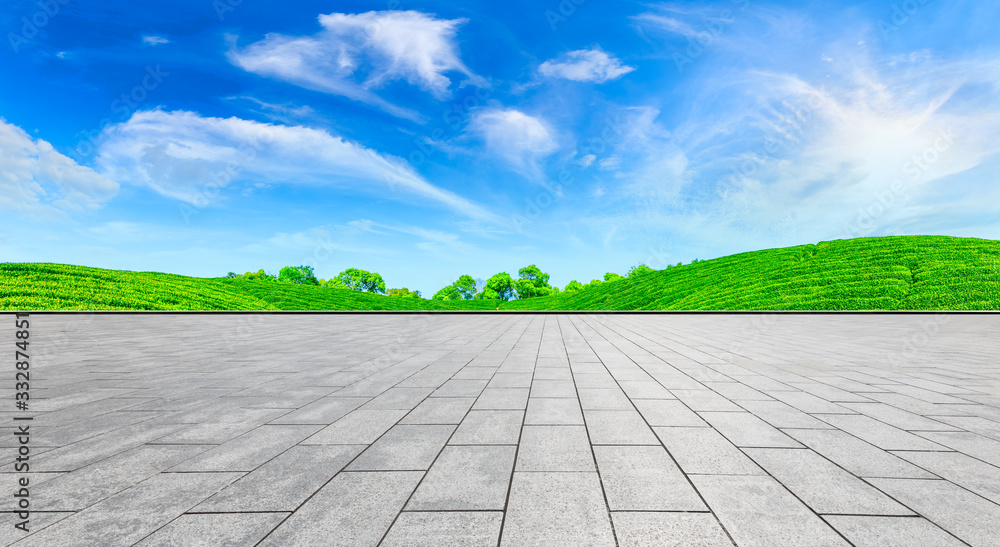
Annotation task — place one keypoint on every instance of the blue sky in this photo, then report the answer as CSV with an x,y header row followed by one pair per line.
x,y
426,140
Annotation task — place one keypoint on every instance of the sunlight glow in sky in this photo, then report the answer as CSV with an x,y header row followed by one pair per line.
x,y
426,140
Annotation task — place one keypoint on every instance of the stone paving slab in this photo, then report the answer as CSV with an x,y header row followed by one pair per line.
x,y
509,430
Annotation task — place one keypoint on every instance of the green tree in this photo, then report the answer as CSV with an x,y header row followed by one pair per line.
x,y
611,276
466,287
532,282
641,269
403,292
462,289
300,275
573,286
259,275
498,287
361,280
448,293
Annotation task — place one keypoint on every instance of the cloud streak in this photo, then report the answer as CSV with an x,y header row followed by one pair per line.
x,y
34,177
355,54
585,65
177,153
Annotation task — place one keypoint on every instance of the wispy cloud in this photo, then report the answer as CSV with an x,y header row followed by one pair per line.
x,y
585,65
356,53
35,178
518,138
178,153
154,40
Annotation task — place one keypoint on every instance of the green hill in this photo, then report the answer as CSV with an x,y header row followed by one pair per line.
x,y
885,273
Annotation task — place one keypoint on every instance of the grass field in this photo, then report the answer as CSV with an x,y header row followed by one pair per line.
x,y
887,273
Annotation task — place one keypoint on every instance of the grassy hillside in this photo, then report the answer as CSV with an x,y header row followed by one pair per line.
x,y
888,273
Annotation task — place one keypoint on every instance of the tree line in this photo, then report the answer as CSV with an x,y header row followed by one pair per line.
x,y
531,282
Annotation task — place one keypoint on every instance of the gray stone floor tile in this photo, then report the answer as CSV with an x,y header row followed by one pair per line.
x,y
322,411
352,510
466,478
958,511
131,515
553,388
223,427
510,379
461,388
553,373
758,511
439,411
553,412
604,399
38,521
361,426
809,403
979,477
668,413
79,454
823,486
618,427
404,448
891,531
746,430
974,424
653,529
489,427
705,400
554,448
898,417
880,434
594,380
557,509
977,446
644,478
702,450
645,389
502,398
283,483
250,450
857,456
231,529
781,415
81,488
737,392
451,529
404,398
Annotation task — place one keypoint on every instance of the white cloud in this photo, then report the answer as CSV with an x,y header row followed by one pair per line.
x,y
155,40
587,160
610,163
35,177
193,158
355,53
517,137
585,65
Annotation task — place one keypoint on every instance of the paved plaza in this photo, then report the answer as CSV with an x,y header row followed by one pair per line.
x,y
508,429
